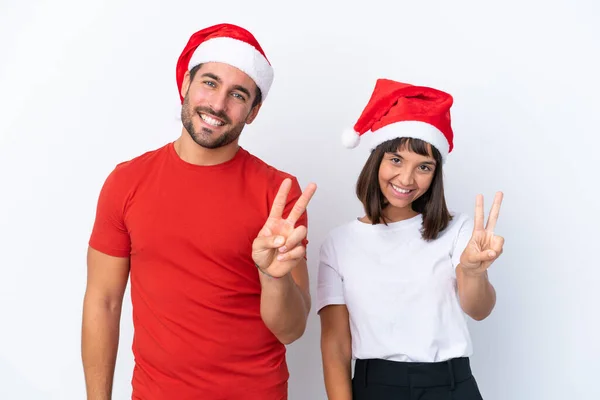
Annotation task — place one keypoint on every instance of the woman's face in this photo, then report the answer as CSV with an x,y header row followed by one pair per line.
x,y
404,176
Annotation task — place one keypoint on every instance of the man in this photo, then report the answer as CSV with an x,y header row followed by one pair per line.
x,y
213,238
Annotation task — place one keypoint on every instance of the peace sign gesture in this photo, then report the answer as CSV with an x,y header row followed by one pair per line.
x,y
277,248
484,247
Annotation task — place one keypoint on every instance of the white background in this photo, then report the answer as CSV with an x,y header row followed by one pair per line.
x,y
87,84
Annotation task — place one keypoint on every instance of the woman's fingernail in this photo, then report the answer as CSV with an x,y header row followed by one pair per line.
x,y
280,257
279,241
283,249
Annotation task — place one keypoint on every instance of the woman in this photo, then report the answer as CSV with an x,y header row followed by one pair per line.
x,y
394,286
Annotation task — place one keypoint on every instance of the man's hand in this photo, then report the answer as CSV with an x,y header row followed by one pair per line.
x,y
278,246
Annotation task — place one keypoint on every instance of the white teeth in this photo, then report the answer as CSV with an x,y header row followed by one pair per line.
x,y
211,121
400,190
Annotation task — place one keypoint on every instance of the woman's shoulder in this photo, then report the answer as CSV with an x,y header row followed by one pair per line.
x,y
460,222
342,234
460,218
341,231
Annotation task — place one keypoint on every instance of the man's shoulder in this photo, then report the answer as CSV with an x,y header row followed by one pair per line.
x,y
126,175
140,164
268,171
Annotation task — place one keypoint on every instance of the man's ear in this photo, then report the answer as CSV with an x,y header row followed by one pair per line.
x,y
253,113
185,85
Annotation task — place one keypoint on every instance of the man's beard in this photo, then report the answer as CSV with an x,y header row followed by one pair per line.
x,y
205,137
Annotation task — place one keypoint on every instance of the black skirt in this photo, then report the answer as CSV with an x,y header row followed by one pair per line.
x,y
377,379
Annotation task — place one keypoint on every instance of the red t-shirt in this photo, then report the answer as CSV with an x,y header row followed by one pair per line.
x,y
195,290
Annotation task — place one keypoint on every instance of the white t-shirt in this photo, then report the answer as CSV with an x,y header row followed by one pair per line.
x,y
400,290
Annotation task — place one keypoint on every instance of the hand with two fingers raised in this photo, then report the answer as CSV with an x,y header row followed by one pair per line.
x,y
278,246
485,246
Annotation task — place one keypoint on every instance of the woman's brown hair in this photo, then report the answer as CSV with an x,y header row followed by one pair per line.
x,y
432,204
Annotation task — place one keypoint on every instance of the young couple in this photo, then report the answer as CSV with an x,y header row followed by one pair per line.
x,y
213,241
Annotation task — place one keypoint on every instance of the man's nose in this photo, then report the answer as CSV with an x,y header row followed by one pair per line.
x,y
218,100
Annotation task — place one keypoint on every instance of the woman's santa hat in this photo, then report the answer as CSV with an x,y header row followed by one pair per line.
x,y
398,110
229,44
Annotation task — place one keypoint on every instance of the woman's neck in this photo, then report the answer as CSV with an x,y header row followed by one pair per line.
x,y
394,214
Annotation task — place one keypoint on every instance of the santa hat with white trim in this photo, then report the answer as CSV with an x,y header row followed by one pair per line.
x,y
229,44
398,110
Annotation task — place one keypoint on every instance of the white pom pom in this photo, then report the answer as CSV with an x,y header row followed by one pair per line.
x,y
350,138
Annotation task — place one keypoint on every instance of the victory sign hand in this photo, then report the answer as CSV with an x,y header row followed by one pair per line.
x,y
484,247
277,249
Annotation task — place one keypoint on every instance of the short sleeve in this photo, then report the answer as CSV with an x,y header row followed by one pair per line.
x,y
465,231
330,284
109,233
293,196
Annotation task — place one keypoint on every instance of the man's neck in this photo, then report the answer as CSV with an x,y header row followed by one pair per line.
x,y
191,152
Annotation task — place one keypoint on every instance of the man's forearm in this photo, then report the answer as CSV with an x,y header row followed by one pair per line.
x,y
99,344
476,293
283,307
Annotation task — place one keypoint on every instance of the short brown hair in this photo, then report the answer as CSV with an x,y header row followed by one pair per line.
x,y
432,204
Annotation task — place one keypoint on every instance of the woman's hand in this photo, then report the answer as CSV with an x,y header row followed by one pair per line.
x,y
485,246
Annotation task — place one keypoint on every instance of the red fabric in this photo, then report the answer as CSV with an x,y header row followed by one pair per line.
x,y
393,101
195,291
220,30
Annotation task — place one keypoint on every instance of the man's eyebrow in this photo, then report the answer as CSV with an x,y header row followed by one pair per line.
x,y
212,76
236,87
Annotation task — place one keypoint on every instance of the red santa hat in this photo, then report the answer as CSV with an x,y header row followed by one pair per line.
x,y
229,44
398,110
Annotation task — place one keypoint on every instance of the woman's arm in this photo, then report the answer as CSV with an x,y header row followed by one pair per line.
x,y
336,351
476,294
